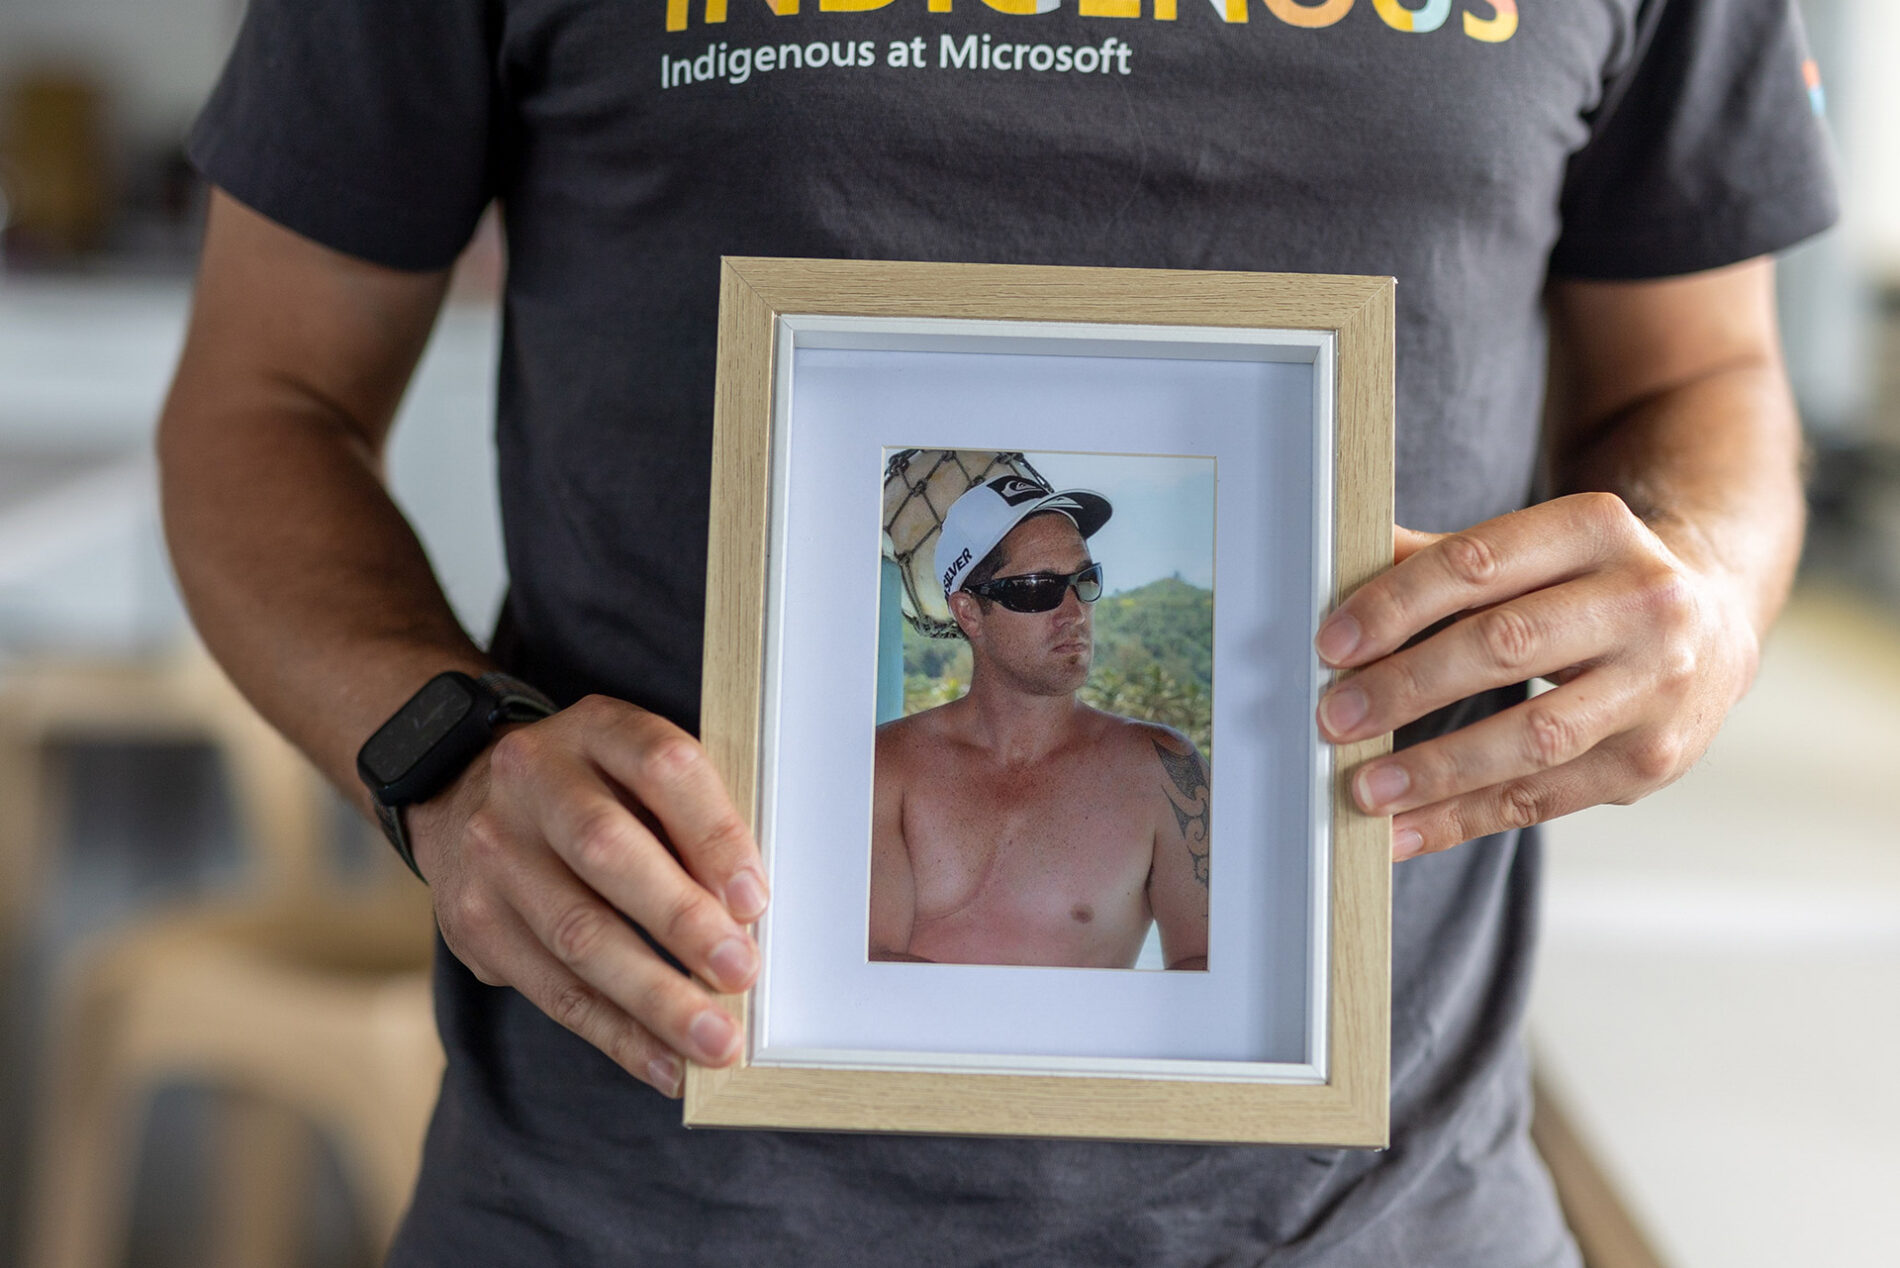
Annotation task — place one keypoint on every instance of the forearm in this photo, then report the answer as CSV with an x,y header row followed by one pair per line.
x,y
1713,466
301,575
1671,394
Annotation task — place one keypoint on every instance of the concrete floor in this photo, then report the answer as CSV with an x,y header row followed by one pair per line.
x,y
1719,991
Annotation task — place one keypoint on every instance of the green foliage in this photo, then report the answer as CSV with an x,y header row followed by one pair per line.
x,y
1151,694
1154,660
1167,623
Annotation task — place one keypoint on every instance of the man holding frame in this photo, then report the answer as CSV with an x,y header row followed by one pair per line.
x,y
1613,173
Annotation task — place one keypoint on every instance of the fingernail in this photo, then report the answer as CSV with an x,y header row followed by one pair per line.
x,y
713,1033
1383,784
1338,636
745,896
1405,843
1343,709
733,962
664,1073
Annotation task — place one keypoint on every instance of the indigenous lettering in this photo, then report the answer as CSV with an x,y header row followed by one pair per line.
x,y
736,65
1490,21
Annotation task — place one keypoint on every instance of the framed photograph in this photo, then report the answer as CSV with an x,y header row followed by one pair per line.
x,y
1013,578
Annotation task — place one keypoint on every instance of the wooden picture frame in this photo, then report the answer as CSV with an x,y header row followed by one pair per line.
x,y
780,491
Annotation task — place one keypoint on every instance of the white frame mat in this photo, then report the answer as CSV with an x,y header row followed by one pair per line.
x,y
1259,403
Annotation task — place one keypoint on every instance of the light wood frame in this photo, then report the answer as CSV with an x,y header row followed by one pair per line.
x,y
1350,1106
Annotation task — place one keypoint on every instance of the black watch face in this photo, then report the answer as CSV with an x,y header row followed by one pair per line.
x,y
432,714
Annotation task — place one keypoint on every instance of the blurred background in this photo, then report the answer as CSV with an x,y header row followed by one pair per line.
x,y
214,1038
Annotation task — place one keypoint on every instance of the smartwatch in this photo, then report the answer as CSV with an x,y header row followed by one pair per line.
x,y
431,740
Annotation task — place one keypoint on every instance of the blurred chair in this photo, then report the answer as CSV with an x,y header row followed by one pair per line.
x,y
175,697
306,999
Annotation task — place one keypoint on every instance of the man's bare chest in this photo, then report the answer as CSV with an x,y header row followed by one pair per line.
x,y
1071,842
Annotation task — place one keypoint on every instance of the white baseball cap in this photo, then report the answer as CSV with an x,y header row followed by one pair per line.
x,y
984,515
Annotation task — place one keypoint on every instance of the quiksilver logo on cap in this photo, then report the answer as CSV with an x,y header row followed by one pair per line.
x,y
956,566
1015,490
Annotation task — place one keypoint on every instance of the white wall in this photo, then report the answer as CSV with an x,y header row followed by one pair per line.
x,y
1864,92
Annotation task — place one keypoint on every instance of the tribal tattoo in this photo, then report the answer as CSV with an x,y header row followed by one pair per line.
x,y
1187,785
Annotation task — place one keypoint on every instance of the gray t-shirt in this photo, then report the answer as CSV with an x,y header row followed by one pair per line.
x,y
1469,149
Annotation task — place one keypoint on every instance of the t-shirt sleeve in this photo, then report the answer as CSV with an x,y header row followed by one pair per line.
x,y
367,125
1708,146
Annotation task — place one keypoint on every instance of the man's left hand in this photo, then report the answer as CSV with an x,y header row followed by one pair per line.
x,y
1648,651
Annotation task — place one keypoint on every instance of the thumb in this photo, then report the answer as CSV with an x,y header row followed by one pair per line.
x,y
1407,542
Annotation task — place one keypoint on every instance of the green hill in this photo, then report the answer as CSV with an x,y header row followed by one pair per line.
x,y
1167,623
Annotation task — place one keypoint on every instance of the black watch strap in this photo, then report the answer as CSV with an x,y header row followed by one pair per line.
x,y
519,702
390,819
515,701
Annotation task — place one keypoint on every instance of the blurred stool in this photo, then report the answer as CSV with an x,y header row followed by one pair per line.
x,y
176,697
321,1009
306,999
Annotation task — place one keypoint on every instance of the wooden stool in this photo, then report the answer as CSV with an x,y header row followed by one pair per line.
x,y
308,999
321,1009
177,697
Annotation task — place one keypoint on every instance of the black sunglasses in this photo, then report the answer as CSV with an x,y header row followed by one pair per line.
x,y
1042,591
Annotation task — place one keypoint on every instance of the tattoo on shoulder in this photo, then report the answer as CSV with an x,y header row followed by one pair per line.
x,y
1185,785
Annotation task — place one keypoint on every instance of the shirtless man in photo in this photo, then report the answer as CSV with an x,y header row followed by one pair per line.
x,y
1018,825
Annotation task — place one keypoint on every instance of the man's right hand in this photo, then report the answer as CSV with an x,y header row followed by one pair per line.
x,y
559,828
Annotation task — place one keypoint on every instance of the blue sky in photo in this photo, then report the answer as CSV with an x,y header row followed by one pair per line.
x,y
1164,513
